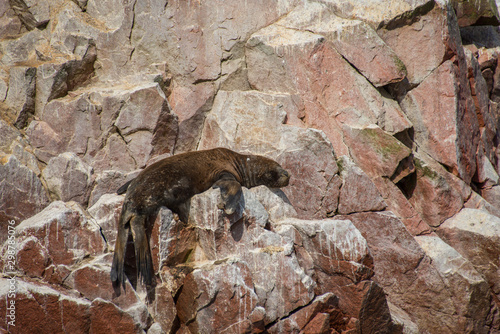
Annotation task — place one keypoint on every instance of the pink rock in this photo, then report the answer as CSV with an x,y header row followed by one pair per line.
x,y
331,97
191,104
358,193
68,178
473,233
435,32
35,307
106,213
197,49
82,125
355,40
492,196
282,285
92,281
436,195
376,152
471,291
397,202
164,311
452,138
406,274
377,15
46,142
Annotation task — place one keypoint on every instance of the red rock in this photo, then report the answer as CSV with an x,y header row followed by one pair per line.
x,y
32,257
320,324
36,307
164,311
218,298
55,228
105,317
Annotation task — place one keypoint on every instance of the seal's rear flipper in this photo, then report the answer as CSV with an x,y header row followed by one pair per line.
x,y
117,273
142,251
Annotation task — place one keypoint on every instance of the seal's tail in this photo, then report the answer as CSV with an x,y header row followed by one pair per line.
x,y
142,251
117,272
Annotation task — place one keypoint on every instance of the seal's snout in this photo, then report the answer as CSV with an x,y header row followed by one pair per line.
x,y
284,178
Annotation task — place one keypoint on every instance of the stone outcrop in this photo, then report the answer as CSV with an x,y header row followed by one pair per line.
x,y
386,115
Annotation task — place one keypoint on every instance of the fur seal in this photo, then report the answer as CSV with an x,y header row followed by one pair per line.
x,y
173,181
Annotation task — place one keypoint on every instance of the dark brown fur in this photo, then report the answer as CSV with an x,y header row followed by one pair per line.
x,y
173,181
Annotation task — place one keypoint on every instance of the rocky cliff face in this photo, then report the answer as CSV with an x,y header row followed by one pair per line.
x,y
386,113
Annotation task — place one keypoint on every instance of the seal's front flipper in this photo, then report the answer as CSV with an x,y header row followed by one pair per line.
x,y
230,191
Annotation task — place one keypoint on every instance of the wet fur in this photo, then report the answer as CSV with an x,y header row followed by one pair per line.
x,y
171,182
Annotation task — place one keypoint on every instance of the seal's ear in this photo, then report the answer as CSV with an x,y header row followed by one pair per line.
x,y
230,191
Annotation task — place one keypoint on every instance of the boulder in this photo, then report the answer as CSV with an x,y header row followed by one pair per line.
x,y
91,125
408,276
461,277
452,138
65,231
21,191
355,40
217,297
474,233
68,178
434,30
331,93
36,304
20,99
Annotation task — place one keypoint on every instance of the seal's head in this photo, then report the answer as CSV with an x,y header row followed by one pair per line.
x,y
276,177
269,173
